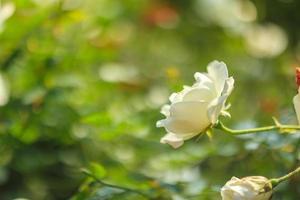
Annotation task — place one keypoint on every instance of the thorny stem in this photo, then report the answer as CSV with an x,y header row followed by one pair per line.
x,y
88,173
277,126
276,181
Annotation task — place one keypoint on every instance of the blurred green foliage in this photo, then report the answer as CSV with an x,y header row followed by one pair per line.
x,y
86,80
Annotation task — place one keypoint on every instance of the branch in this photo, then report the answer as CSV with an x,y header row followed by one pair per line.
x,y
277,181
277,126
88,173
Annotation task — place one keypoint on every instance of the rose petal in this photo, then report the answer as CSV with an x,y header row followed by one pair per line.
x,y
218,72
187,117
202,77
177,96
228,86
7,10
173,97
199,94
296,101
172,139
161,123
4,91
165,110
215,108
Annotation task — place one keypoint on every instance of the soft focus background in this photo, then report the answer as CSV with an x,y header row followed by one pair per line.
x,y
82,83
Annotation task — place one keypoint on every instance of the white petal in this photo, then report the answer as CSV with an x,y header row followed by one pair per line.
x,y
6,11
228,193
188,117
228,86
172,139
199,94
215,108
173,97
165,110
202,77
203,80
160,123
177,96
4,91
218,72
296,101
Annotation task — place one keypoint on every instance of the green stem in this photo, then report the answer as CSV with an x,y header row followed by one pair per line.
x,y
276,181
280,127
86,172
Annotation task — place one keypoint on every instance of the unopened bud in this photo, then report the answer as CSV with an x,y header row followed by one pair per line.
x,y
250,188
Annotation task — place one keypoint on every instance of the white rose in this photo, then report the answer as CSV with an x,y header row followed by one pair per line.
x,y
248,188
6,11
296,101
4,91
196,108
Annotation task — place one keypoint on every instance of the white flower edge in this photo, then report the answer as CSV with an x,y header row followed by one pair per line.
x,y
6,11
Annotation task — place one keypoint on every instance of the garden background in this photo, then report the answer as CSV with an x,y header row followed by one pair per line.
x,y
83,82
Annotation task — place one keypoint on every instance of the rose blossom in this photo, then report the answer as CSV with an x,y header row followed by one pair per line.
x,y
248,188
296,99
196,107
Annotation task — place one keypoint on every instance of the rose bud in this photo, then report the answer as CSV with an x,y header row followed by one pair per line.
x,y
248,188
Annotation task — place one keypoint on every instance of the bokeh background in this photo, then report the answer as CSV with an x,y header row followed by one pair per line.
x,y
82,83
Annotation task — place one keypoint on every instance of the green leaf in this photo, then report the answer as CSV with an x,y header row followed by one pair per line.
x,y
97,170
